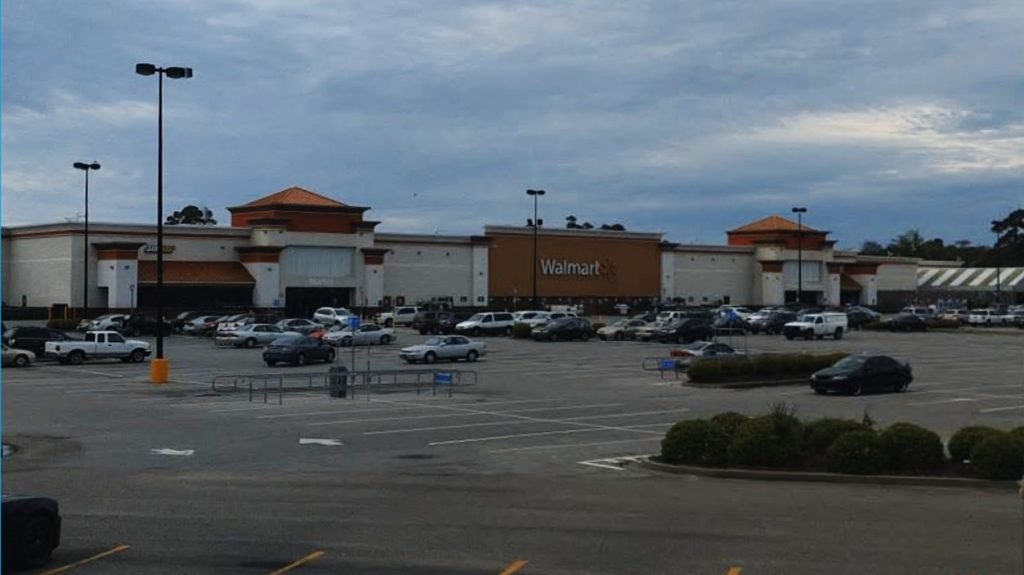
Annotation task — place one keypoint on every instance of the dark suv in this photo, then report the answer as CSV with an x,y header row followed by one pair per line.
x,y
772,322
684,331
138,324
33,338
435,322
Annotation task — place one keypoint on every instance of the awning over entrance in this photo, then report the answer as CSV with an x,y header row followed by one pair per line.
x,y
978,279
847,283
197,273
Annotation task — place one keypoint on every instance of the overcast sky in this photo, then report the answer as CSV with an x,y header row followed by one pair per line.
x,y
682,117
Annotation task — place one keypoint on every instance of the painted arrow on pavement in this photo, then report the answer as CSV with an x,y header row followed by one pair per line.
x,y
318,441
166,451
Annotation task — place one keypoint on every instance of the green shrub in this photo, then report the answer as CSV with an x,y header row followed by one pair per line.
x,y
768,441
912,448
767,366
999,456
705,371
820,434
729,421
734,368
720,434
794,365
62,324
1018,432
936,323
964,440
521,330
857,452
685,442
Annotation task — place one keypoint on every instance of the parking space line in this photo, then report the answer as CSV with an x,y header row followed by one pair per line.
x,y
564,421
81,370
1005,408
631,429
513,567
474,413
568,445
70,566
298,563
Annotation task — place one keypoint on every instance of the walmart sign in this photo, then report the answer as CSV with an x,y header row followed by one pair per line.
x,y
567,268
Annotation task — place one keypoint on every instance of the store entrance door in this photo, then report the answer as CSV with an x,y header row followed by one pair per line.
x,y
302,302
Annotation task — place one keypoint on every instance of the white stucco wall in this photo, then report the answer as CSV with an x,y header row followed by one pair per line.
x,y
708,276
373,284
268,283
668,275
41,269
120,277
419,272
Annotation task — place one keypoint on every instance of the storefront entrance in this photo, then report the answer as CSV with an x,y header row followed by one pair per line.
x,y
302,302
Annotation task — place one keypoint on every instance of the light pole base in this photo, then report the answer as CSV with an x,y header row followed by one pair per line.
x,y
159,370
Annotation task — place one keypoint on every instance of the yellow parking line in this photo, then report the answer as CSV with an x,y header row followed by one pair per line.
x,y
70,566
514,567
299,563
734,571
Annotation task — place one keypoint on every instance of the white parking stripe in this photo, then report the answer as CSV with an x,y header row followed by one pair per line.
x,y
567,445
537,434
474,412
996,409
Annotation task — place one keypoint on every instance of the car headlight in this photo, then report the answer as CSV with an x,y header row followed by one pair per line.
x,y
839,378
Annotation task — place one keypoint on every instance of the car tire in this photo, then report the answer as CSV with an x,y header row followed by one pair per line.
x,y
838,333
900,386
137,356
330,356
424,332
789,337
385,339
21,361
430,357
508,331
389,323
346,341
553,337
472,355
818,390
301,360
271,363
618,336
36,543
585,336
476,332
856,390
76,357
251,342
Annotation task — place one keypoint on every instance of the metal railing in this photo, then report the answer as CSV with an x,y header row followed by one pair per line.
x,y
368,382
663,365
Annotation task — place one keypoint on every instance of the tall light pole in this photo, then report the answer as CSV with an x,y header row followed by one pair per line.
x,y
85,256
536,223
999,287
159,367
799,254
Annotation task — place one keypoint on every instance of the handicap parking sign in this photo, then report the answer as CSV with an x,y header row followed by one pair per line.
x,y
353,322
443,378
668,364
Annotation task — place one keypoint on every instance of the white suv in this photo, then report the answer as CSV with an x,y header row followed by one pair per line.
x,y
332,316
492,323
401,315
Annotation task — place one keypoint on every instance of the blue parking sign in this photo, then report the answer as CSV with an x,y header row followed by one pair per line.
x,y
443,378
353,322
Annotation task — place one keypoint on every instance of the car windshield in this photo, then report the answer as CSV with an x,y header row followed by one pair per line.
x,y
695,346
850,362
620,323
433,341
476,317
289,340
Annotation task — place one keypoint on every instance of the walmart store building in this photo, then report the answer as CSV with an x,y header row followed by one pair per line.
x,y
298,250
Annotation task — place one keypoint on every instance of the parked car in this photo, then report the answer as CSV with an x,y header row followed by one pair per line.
x,y
435,322
104,322
209,328
617,330
178,323
702,350
648,316
137,324
234,322
198,324
300,325
644,332
959,315
366,334
989,317
401,315
727,310
451,347
98,345
920,311
332,315
253,334
297,350
567,328
17,357
684,331
34,338
857,316
855,374
817,325
31,531
492,323
771,322
530,318
907,322
731,324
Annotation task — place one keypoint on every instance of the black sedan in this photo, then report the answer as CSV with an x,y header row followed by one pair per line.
x,y
297,350
34,338
772,322
733,324
564,329
907,322
856,374
31,531
684,331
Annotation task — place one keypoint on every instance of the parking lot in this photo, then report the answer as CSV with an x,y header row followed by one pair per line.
x,y
551,416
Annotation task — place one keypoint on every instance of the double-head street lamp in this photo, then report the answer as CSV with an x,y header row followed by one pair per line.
x,y
799,254
85,257
536,224
159,367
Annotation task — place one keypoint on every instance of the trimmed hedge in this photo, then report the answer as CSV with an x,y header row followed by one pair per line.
x,y
720,436
936,323
522,331
1018,432
768,441
63,324
999,456
685,442
780,366
858,453
913,449
821,434
964,440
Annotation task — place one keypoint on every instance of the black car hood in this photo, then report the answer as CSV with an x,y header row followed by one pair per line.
x,y
832,372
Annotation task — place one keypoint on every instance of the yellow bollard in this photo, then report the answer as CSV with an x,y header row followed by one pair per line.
x,y
158,370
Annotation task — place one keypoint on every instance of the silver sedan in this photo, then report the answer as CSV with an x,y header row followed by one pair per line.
x,y
251,335
368,334
451,347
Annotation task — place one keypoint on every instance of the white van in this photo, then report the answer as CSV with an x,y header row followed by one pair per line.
x,y
817,325
491,323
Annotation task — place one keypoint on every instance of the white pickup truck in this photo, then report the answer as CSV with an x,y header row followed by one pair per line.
x,y
98,345
817,325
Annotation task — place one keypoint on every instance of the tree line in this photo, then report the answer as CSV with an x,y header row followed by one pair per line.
x,y
1007,250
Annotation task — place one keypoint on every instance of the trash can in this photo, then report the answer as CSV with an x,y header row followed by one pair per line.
x,y
337,381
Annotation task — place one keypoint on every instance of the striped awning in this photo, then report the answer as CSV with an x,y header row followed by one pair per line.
x,y
970,279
